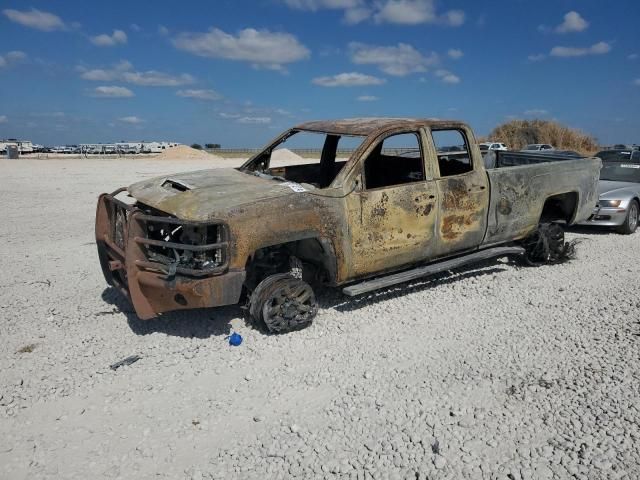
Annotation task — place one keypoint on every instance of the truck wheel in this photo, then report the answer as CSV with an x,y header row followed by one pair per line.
x,y
547,245
631,222
283,303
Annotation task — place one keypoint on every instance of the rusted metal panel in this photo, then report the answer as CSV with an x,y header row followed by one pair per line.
x,y
518,195
369,125
391,226
462,212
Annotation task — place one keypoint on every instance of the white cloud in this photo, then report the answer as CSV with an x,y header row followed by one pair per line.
x,y
162,30
447,77
314,5
153,78
633,56
356,15
408,12
112,92
455,53
132,120
229,115
537,57
3,119
254,120
397,60
596,49
637,82
118,37
48,114
199,94
135,27
14,56
573,22
367,98
351,79
261,48
45,21
414,12
536,112
123,72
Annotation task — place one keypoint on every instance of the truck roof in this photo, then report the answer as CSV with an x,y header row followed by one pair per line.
x,y
369,125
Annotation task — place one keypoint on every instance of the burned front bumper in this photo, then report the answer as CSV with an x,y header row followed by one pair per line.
x,y
139,258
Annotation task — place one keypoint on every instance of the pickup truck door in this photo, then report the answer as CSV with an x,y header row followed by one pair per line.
x,y
463,191
392,215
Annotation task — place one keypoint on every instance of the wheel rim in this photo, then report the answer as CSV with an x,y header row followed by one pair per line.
x,y
291,306
633,217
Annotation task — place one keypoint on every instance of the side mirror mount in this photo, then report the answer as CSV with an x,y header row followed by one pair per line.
x,y
356,185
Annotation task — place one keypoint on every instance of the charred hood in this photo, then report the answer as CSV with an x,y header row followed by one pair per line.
x,y
206,194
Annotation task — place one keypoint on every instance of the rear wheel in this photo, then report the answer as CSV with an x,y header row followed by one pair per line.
x,y
631,222
546,245
284,303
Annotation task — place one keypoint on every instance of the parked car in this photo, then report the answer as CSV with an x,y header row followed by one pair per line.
x,y
486,146
619,155
538,146
619,197
380,218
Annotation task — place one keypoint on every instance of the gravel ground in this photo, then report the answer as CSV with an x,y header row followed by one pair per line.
x,y
490,372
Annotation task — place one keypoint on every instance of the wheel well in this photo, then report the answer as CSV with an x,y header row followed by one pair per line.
x,y
316,254
559,207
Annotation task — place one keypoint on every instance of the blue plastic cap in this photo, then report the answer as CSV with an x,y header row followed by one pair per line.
x,y
235,339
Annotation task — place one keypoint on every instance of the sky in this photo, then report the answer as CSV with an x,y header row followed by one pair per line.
x,y
238,72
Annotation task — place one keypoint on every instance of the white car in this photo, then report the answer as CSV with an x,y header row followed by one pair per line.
x,y
538,147
486,146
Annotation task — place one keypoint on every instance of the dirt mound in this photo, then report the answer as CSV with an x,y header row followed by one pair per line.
x,y
285,155
183,152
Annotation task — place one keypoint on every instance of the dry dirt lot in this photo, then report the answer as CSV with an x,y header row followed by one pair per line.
x,y
497,371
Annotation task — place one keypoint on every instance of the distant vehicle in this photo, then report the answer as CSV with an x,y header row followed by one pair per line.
x,y
619,155
538,147
153,147
619,202
25,146
486,146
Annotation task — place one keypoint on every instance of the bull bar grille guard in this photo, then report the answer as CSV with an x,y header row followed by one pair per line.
x,y
121,226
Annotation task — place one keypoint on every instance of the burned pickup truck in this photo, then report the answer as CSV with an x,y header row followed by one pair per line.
x,y
385,201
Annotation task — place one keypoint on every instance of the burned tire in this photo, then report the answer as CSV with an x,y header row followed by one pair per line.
x,y
283,303
631,222
546,245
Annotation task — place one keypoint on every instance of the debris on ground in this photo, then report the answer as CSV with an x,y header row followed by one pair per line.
x,y
125,361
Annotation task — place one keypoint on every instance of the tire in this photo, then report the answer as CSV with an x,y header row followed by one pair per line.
x,y
545,245
283,303
631,222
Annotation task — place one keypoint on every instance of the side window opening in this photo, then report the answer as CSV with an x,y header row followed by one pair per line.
x,y
396,160
314,158
453,152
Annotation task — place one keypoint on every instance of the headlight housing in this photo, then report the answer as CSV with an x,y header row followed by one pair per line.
x,y
610,203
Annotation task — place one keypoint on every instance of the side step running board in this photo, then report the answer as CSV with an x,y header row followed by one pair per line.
x,y
425,271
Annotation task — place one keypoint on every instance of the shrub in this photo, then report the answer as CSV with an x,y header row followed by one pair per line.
x,y
519,133
197,146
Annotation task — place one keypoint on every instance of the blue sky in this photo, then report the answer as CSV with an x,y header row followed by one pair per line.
x,y
237,72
